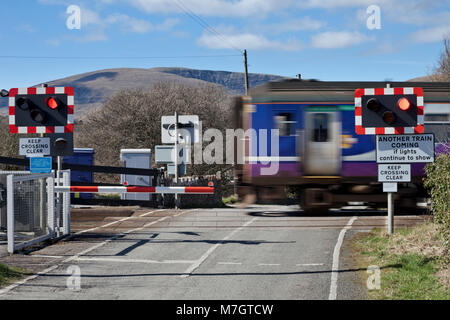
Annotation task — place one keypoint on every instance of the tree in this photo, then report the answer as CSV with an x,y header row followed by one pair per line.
x,y
9,146
442,70
132,118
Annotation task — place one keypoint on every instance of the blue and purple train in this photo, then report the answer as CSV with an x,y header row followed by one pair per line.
x,y
320,154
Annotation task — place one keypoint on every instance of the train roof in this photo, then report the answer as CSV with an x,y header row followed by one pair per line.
x,y
338,91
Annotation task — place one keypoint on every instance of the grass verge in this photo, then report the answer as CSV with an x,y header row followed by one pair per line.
x,y
414,263
8,274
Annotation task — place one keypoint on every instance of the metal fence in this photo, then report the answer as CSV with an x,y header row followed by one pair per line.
x,y
3,211
30,210
33,212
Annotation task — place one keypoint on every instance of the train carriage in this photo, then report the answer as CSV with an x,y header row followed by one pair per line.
x,y
319,152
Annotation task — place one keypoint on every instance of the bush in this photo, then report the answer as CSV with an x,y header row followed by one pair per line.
x,y
437,182
132,119
9,146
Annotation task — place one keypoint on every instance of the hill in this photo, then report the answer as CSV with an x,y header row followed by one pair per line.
x,y
423,79
94,88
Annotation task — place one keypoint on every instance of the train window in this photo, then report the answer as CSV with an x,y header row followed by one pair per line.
x,y
285,123
320,127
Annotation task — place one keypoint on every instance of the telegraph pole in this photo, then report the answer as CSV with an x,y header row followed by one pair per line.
x,y
246,72
246,93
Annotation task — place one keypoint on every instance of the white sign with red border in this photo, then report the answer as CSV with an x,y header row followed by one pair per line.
x,y
388,91
41,129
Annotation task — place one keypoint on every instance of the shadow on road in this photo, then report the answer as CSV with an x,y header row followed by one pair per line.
x,y
215,274
332,213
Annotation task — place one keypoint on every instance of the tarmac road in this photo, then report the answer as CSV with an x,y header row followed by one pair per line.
x,y
262,252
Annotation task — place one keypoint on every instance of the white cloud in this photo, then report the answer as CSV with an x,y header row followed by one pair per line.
x,y
432,34
129,24
89,17
238,8
295,25
339,3
416,12
341,39
93,21
246,41
167,24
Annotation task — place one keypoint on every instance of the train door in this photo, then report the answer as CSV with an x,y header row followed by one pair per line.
x,y
322,144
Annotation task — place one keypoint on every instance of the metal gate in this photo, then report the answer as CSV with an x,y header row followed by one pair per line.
x,y
34,214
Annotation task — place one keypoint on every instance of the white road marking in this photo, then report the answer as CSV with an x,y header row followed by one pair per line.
x,y
150,212
336,253
46,256
183,212
214,247
153,222
112,223
74,257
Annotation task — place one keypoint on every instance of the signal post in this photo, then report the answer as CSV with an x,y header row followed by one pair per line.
x,y
396,117
49,112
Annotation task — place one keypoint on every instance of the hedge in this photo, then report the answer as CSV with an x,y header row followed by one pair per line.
x,y
437,182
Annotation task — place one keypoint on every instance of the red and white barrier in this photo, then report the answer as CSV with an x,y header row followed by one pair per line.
x,y
120,189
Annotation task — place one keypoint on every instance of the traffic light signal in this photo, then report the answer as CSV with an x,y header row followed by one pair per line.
x,y
61,144
389,110
41,110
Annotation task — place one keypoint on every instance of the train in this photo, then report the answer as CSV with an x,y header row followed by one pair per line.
x,y
321,157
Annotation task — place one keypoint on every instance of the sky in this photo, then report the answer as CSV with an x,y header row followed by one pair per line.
x,y
334,40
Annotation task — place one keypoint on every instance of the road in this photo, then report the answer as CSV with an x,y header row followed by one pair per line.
x,y
262,252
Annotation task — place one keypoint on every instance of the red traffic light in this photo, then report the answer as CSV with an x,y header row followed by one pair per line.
x,y
403,104
39,110
51,103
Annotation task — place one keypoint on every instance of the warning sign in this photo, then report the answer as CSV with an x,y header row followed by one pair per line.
x,y
406,148
34,147
394,173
